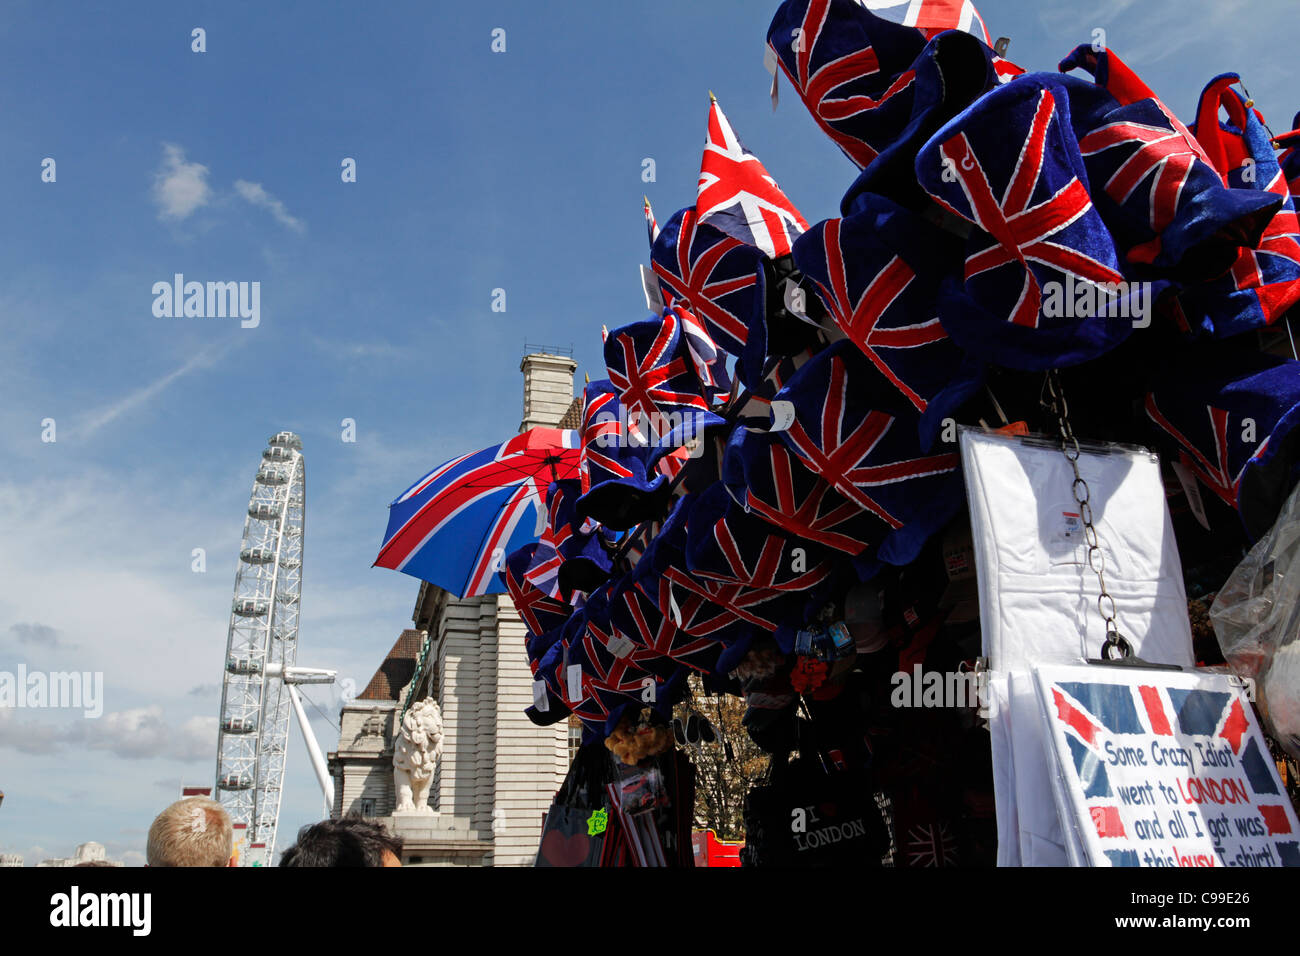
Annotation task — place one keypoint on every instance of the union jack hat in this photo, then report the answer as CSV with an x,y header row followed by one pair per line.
x,y
540,611
717,277
1151,180
619,483
1010,166
1232,419
580,544
859,434
1289,143
724,543
659,644
876,272
1264,281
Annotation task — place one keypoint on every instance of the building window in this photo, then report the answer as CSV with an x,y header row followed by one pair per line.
x,y
575,737
367,805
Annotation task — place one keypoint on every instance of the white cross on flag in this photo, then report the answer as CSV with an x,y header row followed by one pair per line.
x,y
738,197
932,16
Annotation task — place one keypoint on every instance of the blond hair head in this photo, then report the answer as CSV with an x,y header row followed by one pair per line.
x,y
195,831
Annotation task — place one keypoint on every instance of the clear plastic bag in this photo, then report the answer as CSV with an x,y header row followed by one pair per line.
x,y
1256,618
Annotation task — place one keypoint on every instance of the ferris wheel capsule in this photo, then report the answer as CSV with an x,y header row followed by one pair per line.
x,y
278,453
251,607
257,555
272,476
264,510
285,440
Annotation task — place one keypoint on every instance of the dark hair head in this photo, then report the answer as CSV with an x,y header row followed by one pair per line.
x,y
349,841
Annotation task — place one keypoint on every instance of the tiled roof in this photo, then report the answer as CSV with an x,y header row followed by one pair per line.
x,y
397,669
573,417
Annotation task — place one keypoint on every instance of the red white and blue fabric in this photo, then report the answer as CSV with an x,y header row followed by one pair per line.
x,y
651,227
1096,714
620,486
1232,419
932,17
1153,183
1265,279
739,197
769,480
854,429
541,612
659,643
455,526
582,545
725,543
1011,166
876,271
1289,158
651,364
717,278
851,68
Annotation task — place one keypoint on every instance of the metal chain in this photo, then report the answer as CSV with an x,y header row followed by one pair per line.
x,y
1096,558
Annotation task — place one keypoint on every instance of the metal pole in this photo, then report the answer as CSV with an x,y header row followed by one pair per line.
x,y
313,751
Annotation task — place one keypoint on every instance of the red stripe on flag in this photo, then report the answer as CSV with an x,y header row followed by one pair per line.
x,y
1072,717
1155,711
1107,821
1275,818
1235,726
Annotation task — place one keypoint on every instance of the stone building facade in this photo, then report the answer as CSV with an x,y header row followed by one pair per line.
x,y
498,771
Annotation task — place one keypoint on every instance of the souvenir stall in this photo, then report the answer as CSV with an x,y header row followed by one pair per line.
x,y
979,495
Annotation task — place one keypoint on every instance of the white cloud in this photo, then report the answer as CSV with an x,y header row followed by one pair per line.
x,y
179,187
139,733
258,196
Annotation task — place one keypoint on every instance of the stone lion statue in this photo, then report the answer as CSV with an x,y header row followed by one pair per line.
x,y
415,754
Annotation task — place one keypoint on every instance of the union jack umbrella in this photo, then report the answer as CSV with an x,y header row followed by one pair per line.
x,y
772,482
1264,282
620,486
726,544
1154,185
1232,419
858,434
877,271
738,197
455,526
719,279
1011,166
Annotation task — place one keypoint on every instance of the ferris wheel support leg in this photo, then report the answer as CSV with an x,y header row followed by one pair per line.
x,y
313,750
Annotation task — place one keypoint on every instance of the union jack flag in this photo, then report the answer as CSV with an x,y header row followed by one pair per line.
x,y
932,17
1289,159
1095,714
650,364
715,277
651,227
852,69
865,268
775,484
1038,221
738,197
847,427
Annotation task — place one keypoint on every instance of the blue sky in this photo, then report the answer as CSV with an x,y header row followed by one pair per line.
x,y
475,171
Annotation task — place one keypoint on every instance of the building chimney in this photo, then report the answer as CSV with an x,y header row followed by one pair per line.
x,y
548,389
